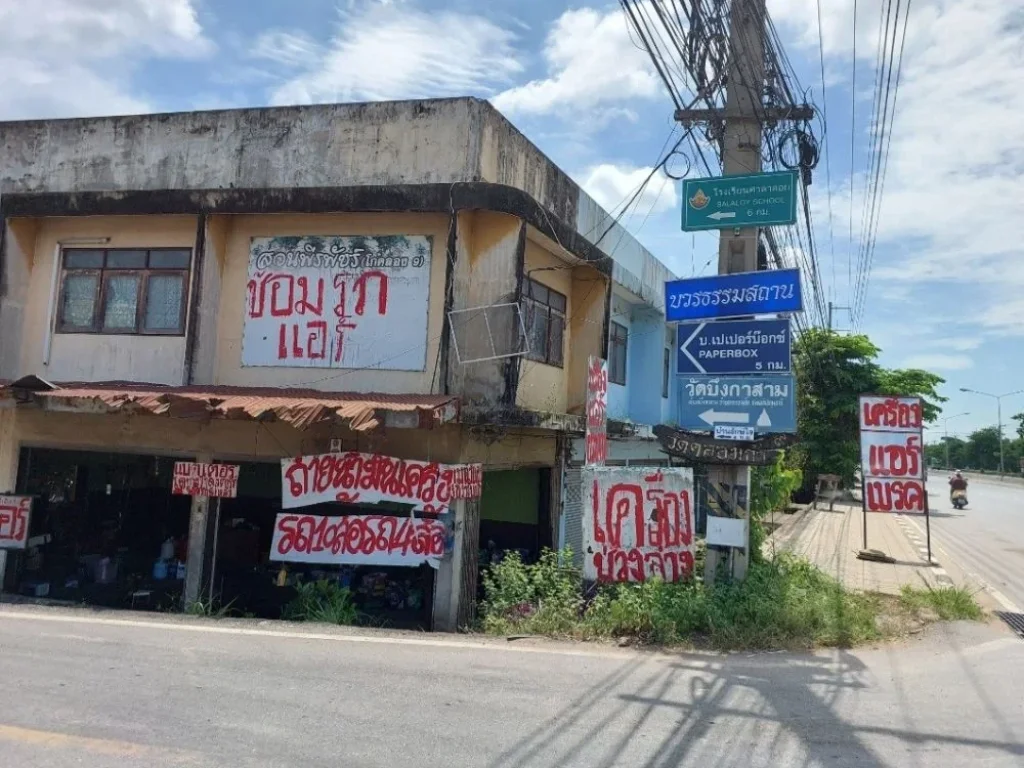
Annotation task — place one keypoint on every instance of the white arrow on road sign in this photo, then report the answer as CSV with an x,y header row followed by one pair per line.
x,y
764,420
686,351
722,215
721,417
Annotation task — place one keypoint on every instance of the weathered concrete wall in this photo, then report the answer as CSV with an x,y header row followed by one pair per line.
x,y
487,254
15,277
407,142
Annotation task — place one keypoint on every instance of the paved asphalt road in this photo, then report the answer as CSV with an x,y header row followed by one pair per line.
x,y
98,690
987,539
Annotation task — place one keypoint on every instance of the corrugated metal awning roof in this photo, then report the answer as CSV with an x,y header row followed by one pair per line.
x,y
301,408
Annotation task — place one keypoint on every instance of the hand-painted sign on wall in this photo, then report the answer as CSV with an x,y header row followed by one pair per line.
x,y
358,540
892,454
337,302
637,523
597,412
14,518
196,479
367,478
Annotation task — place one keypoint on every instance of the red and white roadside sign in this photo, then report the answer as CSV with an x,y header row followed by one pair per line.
x,y
195,479
892,453
596,442
14,515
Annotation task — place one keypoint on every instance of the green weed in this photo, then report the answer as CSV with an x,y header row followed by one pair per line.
x,y
947,603
321,601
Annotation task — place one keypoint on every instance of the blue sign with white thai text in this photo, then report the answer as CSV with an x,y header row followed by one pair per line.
x,y
733,346
766,403
770,292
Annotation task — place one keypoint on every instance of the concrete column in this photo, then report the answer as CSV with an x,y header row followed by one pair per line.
x,y
198,527
8,467
448,579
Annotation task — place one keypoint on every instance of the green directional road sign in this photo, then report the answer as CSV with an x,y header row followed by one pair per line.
x,y
724,202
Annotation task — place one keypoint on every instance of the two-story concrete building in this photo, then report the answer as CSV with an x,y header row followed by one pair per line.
x,y
411,280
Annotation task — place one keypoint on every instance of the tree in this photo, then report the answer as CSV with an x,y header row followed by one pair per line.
x,y
1019,418
982,450
832,372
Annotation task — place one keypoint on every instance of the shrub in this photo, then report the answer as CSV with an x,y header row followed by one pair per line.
x,y
322,601
541,598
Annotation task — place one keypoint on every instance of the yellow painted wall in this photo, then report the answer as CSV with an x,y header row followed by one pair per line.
x,y
543,387
586,329
85,357
228,368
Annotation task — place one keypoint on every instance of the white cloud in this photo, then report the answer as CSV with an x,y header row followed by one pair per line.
x,y
591,63
394,51
938,362
63,58
955,182
613,185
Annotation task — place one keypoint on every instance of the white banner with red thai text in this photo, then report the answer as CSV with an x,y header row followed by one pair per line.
x,y
892,453
369,478
596,441
637,523
337,302
359,540
14,518
197,479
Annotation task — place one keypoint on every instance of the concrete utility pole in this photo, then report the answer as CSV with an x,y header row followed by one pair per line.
x,y
741,123
737,248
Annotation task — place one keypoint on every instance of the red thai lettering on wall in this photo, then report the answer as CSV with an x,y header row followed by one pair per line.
x,y
596,439
896,460
299,304
640,530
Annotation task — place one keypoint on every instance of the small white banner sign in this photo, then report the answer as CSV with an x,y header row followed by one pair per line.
x,y
195,479
734,433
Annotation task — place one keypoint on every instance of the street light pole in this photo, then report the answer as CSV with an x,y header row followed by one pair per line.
x,y
999,417
945,432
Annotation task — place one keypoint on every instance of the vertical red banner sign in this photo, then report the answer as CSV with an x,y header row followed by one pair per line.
x,y
892,453
597,412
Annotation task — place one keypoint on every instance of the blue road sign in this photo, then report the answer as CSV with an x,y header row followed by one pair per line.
x,y
767,403
770,292
724,202
733,347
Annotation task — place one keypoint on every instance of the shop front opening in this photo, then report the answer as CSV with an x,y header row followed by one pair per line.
x,y
515,515
248,578
99,524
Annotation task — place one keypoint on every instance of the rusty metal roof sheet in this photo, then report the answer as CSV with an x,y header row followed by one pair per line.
x,y
301,408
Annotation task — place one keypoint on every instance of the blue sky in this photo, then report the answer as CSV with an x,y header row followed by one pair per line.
x,y
947,284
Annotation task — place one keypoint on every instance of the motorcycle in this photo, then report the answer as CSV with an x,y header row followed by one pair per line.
x,y
959,498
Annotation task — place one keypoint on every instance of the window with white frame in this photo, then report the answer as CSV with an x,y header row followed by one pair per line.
x,y
124,291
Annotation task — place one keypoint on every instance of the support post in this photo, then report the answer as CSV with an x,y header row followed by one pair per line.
x,y
741,154
8,469
198,527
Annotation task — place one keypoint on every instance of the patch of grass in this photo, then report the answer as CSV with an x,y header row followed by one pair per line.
x,y
946,603
784,603
322,601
